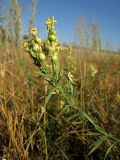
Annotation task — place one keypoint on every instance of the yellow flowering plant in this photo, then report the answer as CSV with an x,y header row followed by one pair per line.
x,y
45,56
93,71
44,51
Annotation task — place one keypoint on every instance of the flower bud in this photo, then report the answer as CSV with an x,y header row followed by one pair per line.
x,y
38,40
27,49
36,47
42,56
52,37
40,48
55,53
25,44
32,42
33,54
54,58
53,32
51,48
55,43
62,103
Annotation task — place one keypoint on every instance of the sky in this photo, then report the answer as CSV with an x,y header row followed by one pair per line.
x,y
67,12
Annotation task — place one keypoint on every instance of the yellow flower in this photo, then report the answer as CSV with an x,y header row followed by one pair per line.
x,y
50,22
25,44
33,31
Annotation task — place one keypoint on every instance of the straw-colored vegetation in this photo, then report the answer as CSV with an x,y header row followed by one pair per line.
x,y
56,102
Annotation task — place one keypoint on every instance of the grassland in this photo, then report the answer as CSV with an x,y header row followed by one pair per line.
x,y
57,102
30,132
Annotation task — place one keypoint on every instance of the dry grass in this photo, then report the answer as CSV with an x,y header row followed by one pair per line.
x,y
29,132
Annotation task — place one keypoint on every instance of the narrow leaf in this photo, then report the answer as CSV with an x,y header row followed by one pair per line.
x,y
98,128
97,144
110,148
